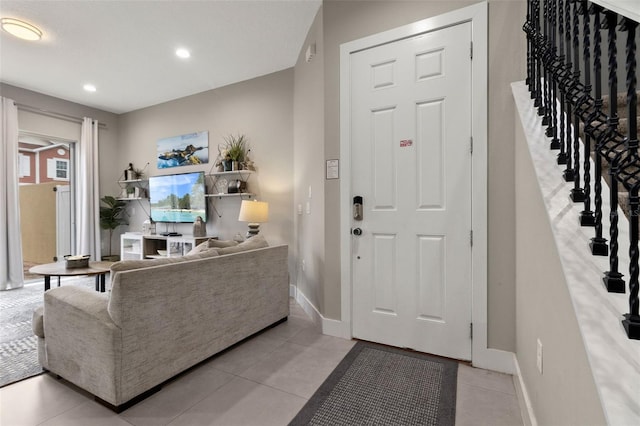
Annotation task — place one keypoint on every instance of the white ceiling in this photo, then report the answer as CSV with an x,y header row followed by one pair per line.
x,y
127,48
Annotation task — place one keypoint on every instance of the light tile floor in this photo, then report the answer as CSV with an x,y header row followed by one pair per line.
x,y
264,381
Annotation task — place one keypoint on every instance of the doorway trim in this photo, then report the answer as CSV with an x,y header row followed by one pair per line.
x,y
477,14
73,170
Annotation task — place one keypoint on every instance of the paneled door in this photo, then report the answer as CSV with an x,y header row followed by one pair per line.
x,y
411,164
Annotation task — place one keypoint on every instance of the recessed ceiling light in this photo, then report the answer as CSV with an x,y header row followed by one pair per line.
x,y
21,29
89,87
183,53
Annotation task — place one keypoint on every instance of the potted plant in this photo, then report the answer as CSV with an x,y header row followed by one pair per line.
x,y
133,173
236,149
112,215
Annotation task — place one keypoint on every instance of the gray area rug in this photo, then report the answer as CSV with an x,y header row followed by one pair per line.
x,y
379,385
18,345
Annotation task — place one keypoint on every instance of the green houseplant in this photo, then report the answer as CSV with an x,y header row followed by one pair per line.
x,y
112,215
236,149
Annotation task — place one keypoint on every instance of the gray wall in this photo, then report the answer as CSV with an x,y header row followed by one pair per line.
x,y
565,394
309,168
262,109
344,21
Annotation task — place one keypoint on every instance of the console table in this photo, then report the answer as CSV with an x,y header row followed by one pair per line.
x,y
135,245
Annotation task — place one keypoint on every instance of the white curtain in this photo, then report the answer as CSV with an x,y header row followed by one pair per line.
x,y
88,185
11,273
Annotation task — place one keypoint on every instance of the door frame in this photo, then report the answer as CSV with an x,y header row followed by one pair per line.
x,y
73,172
477,14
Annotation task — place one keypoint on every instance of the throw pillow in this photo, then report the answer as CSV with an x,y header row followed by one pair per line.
x,y
202,255
221,243
199,248
252,243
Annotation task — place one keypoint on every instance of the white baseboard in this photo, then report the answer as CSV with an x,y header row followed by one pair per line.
x,y
526,409
494,360
488,358
327,326
309,308
336,328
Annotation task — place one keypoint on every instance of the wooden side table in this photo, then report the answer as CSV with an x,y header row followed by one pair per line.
x,y
59,269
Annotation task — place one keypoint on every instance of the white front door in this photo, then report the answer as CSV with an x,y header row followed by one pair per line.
x,y
411,164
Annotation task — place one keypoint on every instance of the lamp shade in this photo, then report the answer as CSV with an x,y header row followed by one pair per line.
x,y
254,211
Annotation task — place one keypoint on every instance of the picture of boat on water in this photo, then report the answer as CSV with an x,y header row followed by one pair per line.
x,y
184,150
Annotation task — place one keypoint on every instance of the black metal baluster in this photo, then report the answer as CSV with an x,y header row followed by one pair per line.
x,y
577,194
546,119
536,27
532,29
586,216
568,173
555,142
525,28
632,319
562,156
528,28
613,278
598,244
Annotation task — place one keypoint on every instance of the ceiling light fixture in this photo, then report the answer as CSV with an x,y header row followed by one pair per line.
x,y
21,29
183,53
89,87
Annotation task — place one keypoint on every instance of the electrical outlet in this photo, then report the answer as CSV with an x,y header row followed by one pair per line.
x,y
299,208
309,192
539,356
304,265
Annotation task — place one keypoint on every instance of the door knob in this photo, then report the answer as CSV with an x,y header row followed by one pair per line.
x,y
357,231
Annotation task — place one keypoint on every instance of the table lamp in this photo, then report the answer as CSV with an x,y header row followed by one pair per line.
x,y
254,212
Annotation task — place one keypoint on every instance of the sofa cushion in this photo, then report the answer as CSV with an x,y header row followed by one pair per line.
x,y
221,243
252,243
126,265
199,248
202,255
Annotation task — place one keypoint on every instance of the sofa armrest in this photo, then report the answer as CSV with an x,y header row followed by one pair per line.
x,y
83,344
37,321
77,303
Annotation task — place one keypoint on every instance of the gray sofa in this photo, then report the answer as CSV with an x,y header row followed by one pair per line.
x,y
159,319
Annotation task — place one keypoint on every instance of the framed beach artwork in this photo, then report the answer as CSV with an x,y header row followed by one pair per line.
x,y
185,150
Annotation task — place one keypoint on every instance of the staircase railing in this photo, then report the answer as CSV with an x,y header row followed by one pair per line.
x,y
562,38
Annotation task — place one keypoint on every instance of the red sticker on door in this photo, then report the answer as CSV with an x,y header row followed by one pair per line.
x,y
406,142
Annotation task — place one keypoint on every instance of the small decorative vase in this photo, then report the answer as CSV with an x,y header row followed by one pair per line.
x,y
199,227
235,165
226,165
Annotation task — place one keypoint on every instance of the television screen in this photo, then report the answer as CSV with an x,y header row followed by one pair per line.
x,y
178,198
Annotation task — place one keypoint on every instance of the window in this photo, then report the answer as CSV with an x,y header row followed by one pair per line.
x,y
62,169
24,165
58,168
